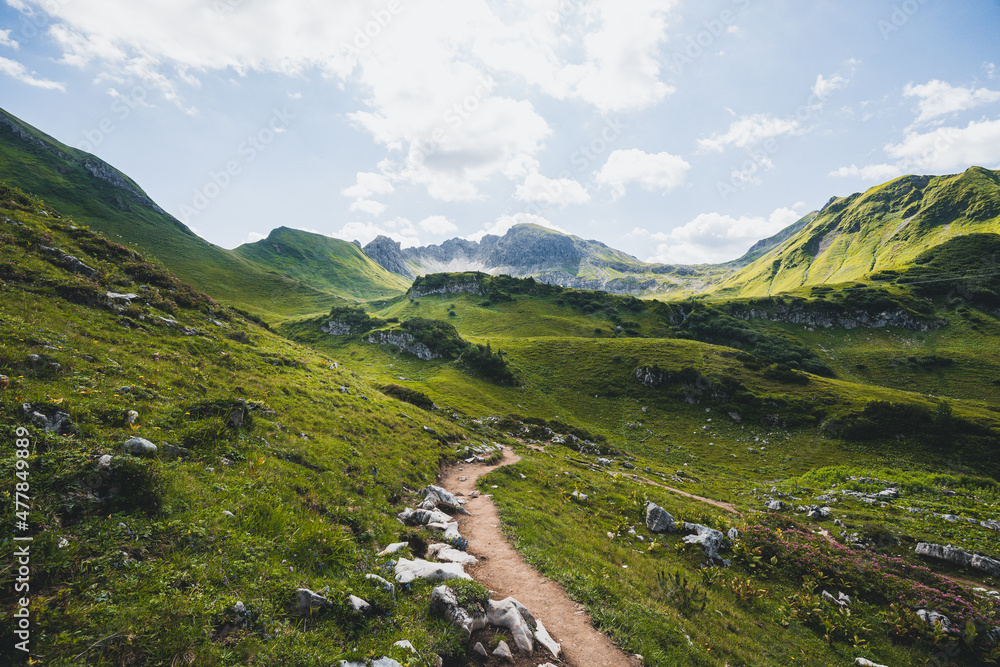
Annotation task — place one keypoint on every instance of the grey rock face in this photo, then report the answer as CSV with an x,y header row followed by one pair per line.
x,y
389,255
338,328
659,520
955,556
835,319
405,342
710,539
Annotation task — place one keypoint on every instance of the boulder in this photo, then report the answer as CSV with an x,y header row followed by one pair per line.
x,y
393,548
480,649
861,662
710,539
659,520
733,534
422,517
410,570
139,447
933,618
435,496
545,639
511,614
56,422
385,584
449,529
309,602
444,602
775,505
948,554
357,604
991,566
502,652
448,554
378,662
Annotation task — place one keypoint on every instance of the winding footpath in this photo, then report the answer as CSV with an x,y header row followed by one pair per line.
x,y
504,571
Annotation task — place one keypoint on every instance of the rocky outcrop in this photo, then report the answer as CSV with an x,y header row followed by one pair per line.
x,y
405,342
435,496
109,174
710,539
958,557
650,376
659,520
841,319
411,570
467,286
339,328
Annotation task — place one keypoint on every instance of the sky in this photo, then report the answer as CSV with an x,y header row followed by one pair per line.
x,y
679,131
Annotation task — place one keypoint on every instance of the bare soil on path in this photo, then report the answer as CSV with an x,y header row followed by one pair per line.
x,y
506,573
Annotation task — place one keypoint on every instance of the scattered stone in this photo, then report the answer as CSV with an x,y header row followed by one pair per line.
x,y
888,494
434,496
57,422
174,451
475,493
139,447
866,663
576,494
239,608
958,557
357,604
405,644
659,520
480,649
502,651
733,534
444,602
775,505
511,614
380,662
710,539
410,570
448,554
104,463
228,514
114,296
545,639
932,618
422,517
603,462
309,602
840,601
393,548
819,513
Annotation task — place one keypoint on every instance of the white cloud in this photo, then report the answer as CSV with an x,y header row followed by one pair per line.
x,y
949,148
878,173
991,70
369,206
365,232
714,237
938,98
420,68
659,171
5,40
253,237
438,225
502,225
824,87
16,70
554,191
748,131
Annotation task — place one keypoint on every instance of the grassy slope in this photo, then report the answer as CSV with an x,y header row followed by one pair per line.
x,y
321,262
886,227
65,183
575,374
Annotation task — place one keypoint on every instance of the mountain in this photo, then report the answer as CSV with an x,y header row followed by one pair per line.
x,y
886,227
548,256
96,194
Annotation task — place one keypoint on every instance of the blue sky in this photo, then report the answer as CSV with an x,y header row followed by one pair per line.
x,y
678,131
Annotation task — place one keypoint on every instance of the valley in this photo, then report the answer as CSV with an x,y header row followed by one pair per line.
x,y
819,420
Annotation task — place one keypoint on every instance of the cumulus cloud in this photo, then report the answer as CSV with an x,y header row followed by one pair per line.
x,y
253,237
878,173
400,229
824,87
653,172
438,225
369,206
366,185
748,131
16,70
6,40
714,237
553,191
949,148
939,98
426,68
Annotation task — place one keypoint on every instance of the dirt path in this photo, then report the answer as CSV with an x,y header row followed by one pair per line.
x,y
505,572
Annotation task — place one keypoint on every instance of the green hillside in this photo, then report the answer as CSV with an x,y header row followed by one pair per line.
x,y
95,194
323,263
887,227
